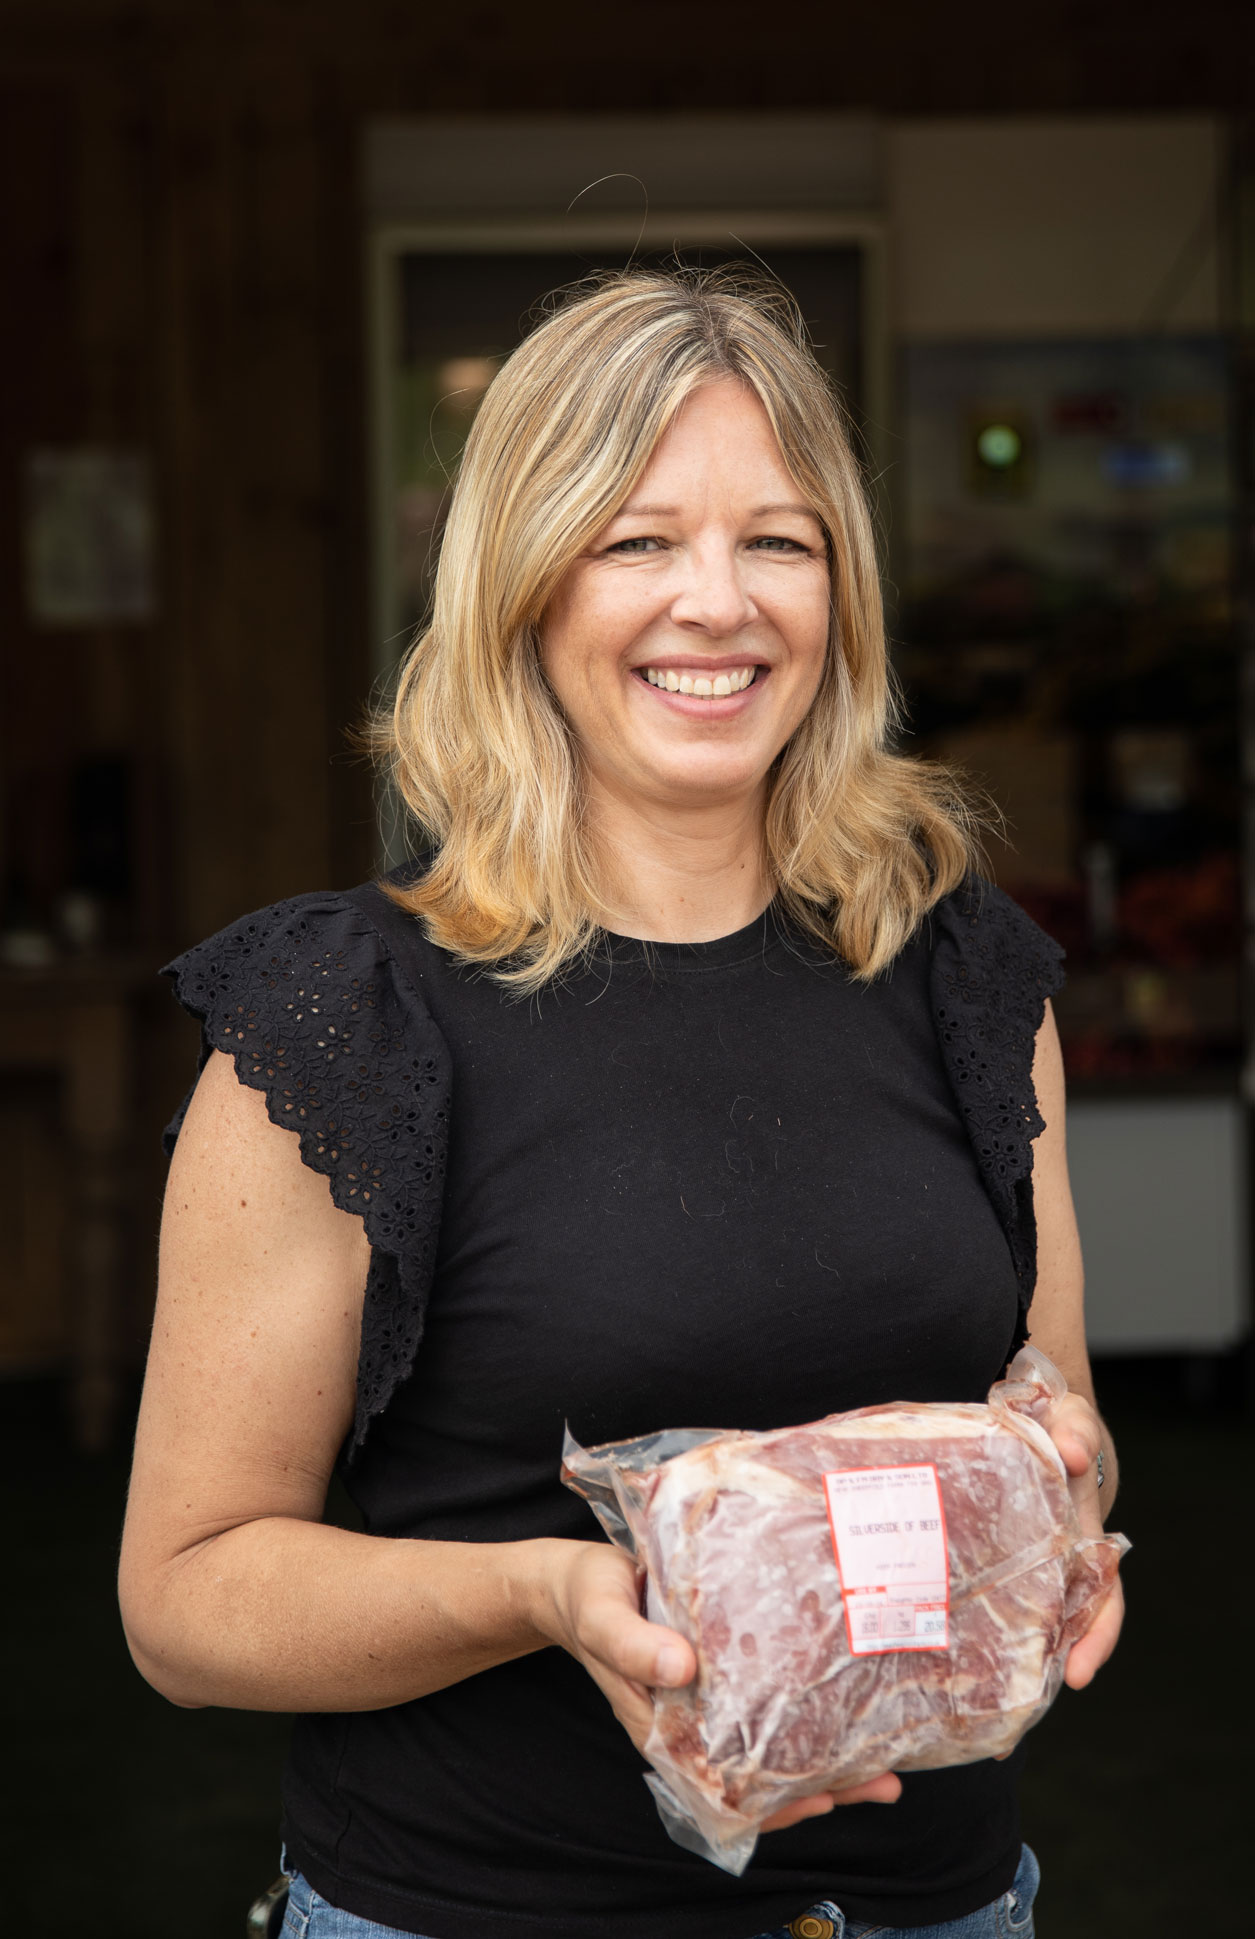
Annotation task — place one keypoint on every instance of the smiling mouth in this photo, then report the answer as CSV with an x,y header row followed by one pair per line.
x,y
692,680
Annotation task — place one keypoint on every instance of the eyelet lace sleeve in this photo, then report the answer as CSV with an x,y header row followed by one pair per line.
x,y
321,1020
992,971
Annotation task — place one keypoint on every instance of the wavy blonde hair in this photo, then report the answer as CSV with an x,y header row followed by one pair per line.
x,y
859,841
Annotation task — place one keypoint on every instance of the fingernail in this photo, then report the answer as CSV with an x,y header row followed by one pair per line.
x,y
671,1665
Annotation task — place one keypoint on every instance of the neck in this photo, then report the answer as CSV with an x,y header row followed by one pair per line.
x,y
685,875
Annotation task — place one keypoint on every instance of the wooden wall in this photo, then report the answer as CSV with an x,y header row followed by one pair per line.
x,y
183,265
182,272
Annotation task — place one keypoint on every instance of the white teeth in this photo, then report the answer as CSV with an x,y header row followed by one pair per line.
x,y
716,687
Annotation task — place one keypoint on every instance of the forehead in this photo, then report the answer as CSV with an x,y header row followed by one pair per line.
x,y
721,435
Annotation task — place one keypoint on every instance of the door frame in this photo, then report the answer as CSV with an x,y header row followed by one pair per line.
x,y
682,229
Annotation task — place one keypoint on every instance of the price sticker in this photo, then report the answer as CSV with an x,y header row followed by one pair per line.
x,y
889,1536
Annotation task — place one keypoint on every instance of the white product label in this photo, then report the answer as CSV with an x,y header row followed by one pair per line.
x,y
889,1533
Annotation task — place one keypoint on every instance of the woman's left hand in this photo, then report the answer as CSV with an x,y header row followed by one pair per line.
x,y
1074,1427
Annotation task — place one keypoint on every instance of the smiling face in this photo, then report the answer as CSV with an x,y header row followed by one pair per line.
x,y
687,642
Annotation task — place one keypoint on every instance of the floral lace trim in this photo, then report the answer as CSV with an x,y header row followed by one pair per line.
x,y
992,971
333,1048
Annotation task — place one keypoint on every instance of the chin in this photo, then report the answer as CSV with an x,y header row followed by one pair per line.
x,y
700,784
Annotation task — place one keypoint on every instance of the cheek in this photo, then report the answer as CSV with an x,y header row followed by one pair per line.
x,y
581,673
800,609
577,634
810,648
821,617
807,629
563,636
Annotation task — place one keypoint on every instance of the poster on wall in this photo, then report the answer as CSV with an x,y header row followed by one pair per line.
x,y
89,537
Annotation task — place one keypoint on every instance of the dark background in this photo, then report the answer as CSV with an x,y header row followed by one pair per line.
x,y
182,237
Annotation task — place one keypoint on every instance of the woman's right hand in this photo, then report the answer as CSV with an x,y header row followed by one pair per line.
x,y
592,1610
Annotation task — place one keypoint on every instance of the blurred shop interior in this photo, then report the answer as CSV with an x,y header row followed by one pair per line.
x,y
224,482
1052,459
262,262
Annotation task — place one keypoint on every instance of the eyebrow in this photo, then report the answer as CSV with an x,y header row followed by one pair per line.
x,y
758,511
801,511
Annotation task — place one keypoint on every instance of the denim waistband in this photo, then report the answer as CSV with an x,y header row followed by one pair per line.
x,y
310,1916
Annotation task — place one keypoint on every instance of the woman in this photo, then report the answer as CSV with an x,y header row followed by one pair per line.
x,y
690,1078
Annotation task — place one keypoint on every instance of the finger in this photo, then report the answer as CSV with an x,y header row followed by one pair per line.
x,y
1078,1456
885,1789
629,1702
1091,1651
1075,1429
1086,1657
793,1814
640,1651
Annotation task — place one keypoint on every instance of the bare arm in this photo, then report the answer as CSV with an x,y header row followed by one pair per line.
x,y
232,1591
1057,1325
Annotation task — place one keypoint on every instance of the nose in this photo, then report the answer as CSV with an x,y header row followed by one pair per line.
x,y
713,596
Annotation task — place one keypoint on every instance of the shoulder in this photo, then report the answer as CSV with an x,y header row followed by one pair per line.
x,y
313,999
324,947
993,972
982,942
271,935
322,1011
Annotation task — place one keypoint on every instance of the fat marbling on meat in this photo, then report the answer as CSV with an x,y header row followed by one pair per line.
x,y
805,1684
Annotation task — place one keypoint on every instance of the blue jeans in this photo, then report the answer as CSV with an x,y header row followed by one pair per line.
x,y
1010,1917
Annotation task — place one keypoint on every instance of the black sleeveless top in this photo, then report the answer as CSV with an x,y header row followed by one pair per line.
x,y
718,1185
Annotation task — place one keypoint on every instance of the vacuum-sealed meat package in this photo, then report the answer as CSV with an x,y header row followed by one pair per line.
x,y
891,1589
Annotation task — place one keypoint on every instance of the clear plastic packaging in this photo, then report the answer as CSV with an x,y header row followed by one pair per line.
x,y
891,1589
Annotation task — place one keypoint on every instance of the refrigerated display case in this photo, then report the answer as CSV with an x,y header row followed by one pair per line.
x,y
1066,636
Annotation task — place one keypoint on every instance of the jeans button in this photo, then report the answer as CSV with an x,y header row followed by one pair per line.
x,y
812,1925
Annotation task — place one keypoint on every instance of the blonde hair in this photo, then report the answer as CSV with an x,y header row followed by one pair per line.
x,y
859,841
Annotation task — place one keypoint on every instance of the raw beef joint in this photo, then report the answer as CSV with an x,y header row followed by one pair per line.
x,y
886,1590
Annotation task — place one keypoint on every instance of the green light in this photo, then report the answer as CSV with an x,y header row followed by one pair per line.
x,y
999,446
